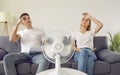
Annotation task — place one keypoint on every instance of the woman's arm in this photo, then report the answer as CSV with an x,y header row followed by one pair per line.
x,y
73,46
97,22
14,36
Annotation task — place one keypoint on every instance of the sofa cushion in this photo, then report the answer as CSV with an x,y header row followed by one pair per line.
x,y
67,65
8,46
1,68
115,69
100,43
2,54
101,67
73,64
34,68
109,56
23,68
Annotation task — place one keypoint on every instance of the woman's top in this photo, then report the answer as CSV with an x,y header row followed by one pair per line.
x,y
84,39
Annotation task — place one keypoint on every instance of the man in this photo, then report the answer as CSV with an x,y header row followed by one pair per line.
x,y
29,37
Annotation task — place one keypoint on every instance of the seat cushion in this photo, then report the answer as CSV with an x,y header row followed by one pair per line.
x,y
73,64
2,54
1,68
101,67
24,68
67,65
109,56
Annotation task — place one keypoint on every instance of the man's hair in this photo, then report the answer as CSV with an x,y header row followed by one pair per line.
x,y
23,14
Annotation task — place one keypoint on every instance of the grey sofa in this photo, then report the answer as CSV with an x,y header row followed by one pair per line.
x,y
108,62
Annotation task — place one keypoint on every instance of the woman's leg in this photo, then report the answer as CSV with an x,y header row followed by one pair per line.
x,y
82,58
91,59
43,64
90,65
82,61
9,62
91,53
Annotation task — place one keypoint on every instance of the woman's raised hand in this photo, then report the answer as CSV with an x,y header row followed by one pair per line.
x,y
86,15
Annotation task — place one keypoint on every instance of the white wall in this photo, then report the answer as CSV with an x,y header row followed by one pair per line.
x,y
66,14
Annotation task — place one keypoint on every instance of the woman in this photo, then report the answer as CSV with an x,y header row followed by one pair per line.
x,y
29,37
84,54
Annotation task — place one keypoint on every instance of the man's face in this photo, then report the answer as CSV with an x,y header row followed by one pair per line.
x,y
26,21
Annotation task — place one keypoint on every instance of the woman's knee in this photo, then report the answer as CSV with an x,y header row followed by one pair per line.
x,y
91,58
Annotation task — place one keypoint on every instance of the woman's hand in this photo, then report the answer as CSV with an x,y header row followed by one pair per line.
x,y
97,22
76,49
86,15
93,49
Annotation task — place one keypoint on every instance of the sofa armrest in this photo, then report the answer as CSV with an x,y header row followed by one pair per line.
x,y
2,54
108,56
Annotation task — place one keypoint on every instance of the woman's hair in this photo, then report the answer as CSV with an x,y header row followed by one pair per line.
x,y
89,27
23,14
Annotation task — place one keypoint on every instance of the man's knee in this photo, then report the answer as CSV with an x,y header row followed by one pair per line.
x,y
14,57
39,59
8,57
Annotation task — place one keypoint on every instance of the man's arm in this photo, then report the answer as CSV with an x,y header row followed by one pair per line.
x,y
14,36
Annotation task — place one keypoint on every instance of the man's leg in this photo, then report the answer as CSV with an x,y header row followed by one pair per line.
x,y
43,64
9,62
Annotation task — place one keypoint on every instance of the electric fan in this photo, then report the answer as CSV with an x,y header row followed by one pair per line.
x,y
58,50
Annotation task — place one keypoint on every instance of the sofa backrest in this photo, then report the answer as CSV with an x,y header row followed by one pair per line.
x,y
100,43
9,46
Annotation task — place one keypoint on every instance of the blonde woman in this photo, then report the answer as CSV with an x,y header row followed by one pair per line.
x,y
84,54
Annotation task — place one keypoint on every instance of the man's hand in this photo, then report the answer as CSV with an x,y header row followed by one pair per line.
x,y
19,22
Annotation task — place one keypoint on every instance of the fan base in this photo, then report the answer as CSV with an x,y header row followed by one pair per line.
x,y
64,71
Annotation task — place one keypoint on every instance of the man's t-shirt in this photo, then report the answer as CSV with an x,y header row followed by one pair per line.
x,y
31,38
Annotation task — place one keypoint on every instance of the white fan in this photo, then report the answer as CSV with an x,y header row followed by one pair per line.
x,y
58,51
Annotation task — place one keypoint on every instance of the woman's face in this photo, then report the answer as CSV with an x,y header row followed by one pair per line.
x,y
85,22
26,21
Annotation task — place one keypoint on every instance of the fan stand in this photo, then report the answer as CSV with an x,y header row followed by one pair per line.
x,y
60,71
57,70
